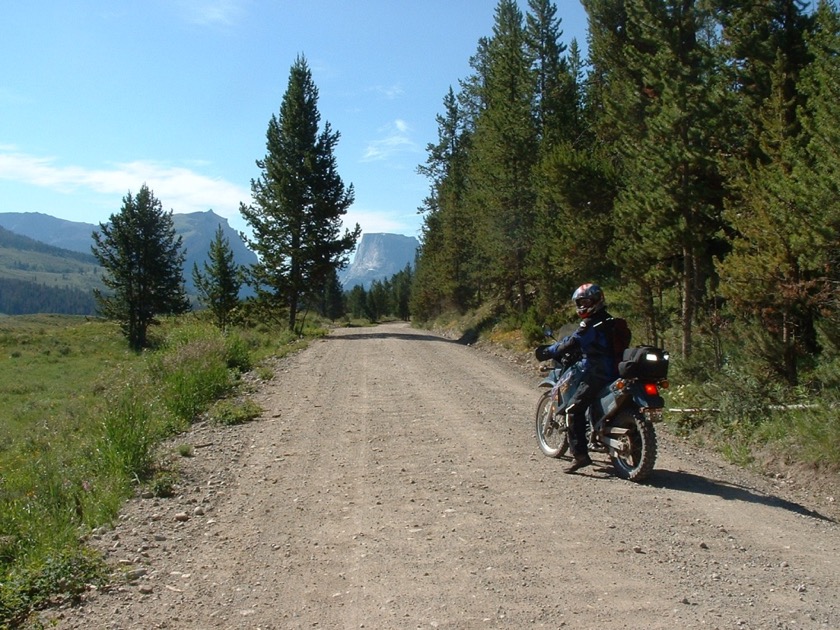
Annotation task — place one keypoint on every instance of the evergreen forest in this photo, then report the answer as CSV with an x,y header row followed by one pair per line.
x,y
689,164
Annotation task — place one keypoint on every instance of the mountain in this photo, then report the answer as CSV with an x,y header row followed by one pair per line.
x,y
70,235
378,257
197,229
40,278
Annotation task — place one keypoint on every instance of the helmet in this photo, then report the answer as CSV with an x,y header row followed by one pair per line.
x,y
588,299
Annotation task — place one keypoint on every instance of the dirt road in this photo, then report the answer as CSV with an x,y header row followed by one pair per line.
x,y
394,482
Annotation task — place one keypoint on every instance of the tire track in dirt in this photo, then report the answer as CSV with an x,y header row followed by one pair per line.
x,y
394,482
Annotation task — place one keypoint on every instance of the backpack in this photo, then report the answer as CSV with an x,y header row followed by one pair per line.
x,y
646,362
621,336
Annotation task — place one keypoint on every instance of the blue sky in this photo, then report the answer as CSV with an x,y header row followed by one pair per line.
x,y
98,97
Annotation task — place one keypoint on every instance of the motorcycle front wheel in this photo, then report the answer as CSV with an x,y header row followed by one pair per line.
x,y
551,434
636,455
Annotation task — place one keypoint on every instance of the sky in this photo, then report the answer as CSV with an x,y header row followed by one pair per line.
x,y
99,97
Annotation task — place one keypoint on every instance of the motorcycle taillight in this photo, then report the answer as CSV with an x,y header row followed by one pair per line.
x,y
651,389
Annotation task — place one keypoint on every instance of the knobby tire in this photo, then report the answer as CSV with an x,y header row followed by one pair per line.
x,y
552,436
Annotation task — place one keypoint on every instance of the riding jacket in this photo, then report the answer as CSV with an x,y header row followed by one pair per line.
x,y
594,339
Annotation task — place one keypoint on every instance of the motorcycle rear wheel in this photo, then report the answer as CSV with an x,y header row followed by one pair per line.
x,y
552,435
635,459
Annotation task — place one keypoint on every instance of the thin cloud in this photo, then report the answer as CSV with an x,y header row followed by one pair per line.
x,y
397,140
390,92
180,189
211,12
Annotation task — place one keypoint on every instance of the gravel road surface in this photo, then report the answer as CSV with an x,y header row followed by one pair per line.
x,y
394,481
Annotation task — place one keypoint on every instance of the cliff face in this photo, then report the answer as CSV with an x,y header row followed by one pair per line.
x,y
378,257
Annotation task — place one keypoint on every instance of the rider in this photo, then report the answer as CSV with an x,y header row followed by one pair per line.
x,y
595,340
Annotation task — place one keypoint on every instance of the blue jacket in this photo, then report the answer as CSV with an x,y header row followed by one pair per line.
x,y
594,339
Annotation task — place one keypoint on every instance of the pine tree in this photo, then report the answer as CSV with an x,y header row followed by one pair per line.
x,y
401,283
143,264
502,159
219,283
661,118
754,38
449,227
576,189
331,303
782,269
298,203
555,98
573,193
819,170
357,303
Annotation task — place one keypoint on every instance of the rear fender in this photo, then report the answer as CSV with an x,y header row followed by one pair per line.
x,y
646,401
612,399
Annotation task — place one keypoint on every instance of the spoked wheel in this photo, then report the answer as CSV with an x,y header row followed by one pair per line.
x,y
635,454
551,434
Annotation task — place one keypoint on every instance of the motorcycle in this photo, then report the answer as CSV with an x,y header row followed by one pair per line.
x,y
620,421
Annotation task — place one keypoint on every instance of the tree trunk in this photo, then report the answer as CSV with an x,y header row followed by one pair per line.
x,y
789,351
293,299
687,300
650,314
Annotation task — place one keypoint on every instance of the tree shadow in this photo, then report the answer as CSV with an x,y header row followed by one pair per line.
x,y
682,481
392,335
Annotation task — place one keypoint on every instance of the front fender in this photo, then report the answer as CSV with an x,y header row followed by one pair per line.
x,y
551,379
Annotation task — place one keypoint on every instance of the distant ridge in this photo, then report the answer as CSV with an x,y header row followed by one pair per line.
x,y
378,256
72,235
14,240
197,229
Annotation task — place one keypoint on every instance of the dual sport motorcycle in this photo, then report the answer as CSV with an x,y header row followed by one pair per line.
x,y
620,421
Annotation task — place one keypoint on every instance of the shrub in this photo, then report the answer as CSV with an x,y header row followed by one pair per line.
x,y
237,352
129,434
229,412
64,574
192,374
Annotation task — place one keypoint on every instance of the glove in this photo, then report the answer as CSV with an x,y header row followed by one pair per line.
x,y
542,353
561,347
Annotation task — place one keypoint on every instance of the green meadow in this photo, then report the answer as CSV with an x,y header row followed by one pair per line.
x,y
82,419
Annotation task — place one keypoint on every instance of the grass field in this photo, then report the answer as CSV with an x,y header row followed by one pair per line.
x,y
81,418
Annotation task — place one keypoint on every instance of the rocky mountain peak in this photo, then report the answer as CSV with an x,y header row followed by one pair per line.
x,y
378,257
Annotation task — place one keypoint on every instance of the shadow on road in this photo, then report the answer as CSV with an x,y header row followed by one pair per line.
x,y
392,335
688,482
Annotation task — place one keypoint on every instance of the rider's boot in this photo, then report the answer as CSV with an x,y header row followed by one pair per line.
x,y
578,462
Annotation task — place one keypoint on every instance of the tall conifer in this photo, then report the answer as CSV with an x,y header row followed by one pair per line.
x,y
298,203
143,263
782,269
219,280
450,252
503,156
667,213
